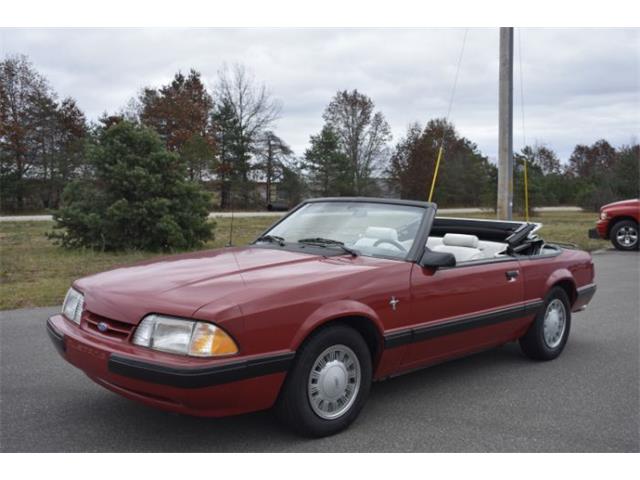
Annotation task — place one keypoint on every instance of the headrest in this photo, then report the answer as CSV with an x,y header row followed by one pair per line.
x,y
460,240
382,233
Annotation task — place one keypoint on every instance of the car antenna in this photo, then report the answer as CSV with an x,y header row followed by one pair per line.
x,y
230,244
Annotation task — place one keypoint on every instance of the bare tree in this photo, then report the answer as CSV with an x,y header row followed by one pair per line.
x,y
543,157
20,84
363,134
40,137
253,110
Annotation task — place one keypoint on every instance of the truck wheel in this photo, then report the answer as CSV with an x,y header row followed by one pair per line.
x,y
549,332
328,384
624,235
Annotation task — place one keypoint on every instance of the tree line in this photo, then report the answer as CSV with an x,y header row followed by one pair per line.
x,y
226,139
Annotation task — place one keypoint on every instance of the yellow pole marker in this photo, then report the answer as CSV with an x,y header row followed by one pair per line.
x,y
526,192
435,173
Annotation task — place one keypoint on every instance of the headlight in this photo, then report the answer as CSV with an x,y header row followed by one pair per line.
x,y
603,215
73,305
184,337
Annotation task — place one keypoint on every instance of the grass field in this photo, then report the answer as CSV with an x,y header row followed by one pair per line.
x,y
35,272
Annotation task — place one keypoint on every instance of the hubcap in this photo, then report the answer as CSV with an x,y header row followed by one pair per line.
x,y
627,236
555,320
334,382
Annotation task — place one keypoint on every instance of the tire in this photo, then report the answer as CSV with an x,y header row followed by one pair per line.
x,y
294,406
624,235
540,345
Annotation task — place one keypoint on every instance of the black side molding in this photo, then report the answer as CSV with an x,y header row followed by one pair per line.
x,y
199,377
56,337
425,332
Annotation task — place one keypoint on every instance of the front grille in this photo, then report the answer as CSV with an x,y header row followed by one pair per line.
x,y
114,328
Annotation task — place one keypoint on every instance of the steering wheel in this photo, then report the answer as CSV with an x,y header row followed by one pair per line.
x,y
398,245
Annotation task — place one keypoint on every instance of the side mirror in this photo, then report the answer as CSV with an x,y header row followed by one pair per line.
x,y
437,259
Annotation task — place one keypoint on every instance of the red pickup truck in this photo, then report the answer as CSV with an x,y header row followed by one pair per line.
x,y
619,223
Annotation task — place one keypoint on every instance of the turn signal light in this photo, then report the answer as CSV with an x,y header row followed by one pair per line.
x,y
208,340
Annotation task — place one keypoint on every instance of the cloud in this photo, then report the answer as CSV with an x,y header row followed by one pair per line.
x,y
579,84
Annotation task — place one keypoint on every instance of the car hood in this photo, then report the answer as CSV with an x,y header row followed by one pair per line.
x,y
622,203
181,284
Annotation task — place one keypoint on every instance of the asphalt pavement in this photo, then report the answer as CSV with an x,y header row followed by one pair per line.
x,y
586,400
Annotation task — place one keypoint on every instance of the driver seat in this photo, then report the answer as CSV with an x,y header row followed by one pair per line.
x,y
375,234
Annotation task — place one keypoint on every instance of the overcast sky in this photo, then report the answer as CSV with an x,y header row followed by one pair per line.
x,y
580,85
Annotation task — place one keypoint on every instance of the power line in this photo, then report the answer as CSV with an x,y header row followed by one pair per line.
x,y
455,81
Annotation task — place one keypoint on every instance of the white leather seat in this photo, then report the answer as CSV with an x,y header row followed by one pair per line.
x,y
433,242
463,247
372,235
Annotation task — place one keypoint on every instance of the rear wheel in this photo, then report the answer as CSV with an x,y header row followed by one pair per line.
x,y
328,384
624,235
549,332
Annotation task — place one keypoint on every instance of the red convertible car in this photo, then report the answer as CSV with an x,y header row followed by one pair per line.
x,y
337,294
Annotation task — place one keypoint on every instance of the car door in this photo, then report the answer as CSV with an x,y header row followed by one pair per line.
x,y
457,310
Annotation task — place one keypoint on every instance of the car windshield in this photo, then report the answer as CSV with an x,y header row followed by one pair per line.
x,y
365,228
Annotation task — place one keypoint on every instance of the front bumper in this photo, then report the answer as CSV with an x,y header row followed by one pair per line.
x,y
192,386
593,233
56,338
600,232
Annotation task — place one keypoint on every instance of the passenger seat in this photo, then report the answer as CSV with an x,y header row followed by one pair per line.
x,y
463,247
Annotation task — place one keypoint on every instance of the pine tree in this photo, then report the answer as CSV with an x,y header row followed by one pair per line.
x,y
230,152
272,155
328,166
137,198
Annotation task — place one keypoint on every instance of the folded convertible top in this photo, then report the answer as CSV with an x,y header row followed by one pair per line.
x,y
492,230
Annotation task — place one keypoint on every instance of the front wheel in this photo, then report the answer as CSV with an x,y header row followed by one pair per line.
x,y
549,332
328,384
624,235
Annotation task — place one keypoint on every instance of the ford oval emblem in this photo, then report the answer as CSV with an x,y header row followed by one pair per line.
x,y
103,327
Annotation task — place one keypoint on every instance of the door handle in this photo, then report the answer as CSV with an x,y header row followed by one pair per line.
x,y
512,274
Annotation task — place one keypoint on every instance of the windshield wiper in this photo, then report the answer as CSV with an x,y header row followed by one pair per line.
x,y
271,239
327,242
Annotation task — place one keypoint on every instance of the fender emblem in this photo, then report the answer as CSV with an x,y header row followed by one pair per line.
x,y
394,302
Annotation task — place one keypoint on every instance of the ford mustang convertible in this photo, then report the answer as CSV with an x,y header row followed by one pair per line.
x,y
337,294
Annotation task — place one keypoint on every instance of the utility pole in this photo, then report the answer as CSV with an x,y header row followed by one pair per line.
x,y
505,125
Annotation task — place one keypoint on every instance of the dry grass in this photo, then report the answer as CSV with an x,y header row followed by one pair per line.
x,y
34,272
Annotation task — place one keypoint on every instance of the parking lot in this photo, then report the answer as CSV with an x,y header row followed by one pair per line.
x,y
586,400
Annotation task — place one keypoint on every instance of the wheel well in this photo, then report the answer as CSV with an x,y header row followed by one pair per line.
x,y
364,327
569,288
615,220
